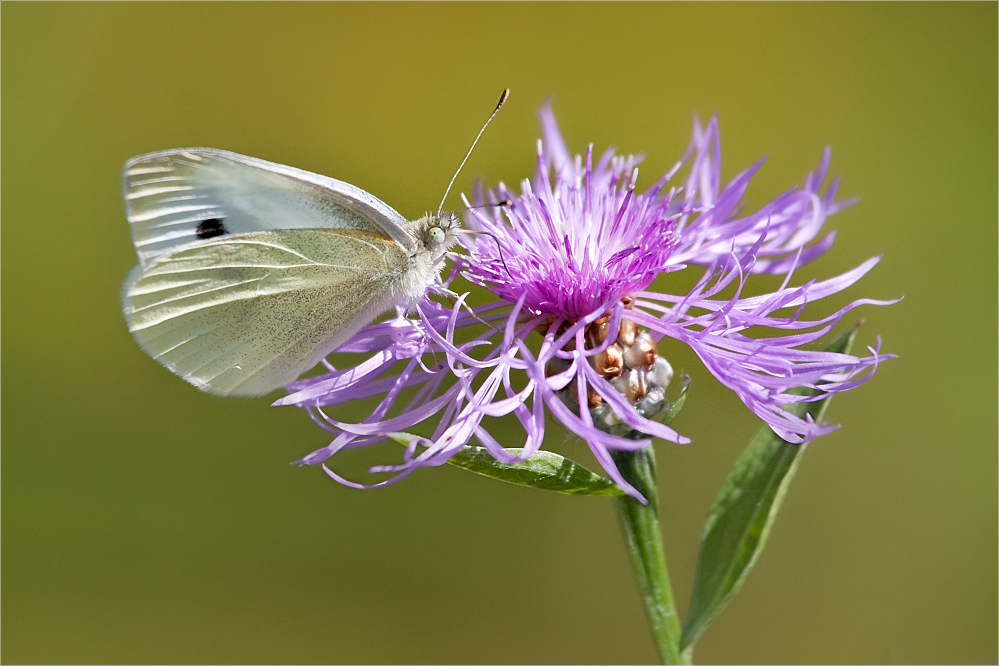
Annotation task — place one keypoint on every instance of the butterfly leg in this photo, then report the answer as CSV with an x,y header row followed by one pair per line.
x,y
447,293
402,312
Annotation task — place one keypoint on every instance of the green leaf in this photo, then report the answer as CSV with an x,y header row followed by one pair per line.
x,y
743,512
545,470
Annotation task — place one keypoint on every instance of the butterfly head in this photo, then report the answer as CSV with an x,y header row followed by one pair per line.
x,y
435,233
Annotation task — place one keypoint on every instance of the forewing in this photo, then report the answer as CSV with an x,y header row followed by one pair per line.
x,y
247,314
181,196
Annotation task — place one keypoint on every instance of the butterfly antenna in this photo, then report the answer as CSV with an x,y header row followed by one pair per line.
x,y
499,105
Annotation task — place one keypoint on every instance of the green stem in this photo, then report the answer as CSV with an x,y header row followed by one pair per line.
x,y
645,545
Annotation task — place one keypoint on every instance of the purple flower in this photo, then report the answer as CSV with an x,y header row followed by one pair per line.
x,y
572,260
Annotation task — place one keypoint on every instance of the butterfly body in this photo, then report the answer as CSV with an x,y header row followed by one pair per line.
x,y
251,272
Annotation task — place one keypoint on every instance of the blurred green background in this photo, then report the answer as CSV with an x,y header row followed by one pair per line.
x,y
143,521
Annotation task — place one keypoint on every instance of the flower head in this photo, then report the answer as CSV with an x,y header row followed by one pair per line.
x,y
575,327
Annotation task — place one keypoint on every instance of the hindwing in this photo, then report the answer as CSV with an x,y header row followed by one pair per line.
x,y
249,313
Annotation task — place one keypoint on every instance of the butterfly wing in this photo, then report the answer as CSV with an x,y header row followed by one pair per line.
x,y
177,197
245,314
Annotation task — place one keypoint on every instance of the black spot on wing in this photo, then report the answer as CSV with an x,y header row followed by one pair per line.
x,y
211,228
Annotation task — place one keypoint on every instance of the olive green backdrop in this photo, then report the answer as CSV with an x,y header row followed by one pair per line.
x,y
144,521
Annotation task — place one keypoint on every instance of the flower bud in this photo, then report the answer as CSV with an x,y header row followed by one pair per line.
x,y
627,333
661,373
653,402
631,385
642,354
609,362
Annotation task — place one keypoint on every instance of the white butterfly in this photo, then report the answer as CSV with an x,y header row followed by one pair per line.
x,y
250,272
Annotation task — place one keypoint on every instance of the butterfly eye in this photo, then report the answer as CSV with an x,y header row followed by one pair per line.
x,y
436,235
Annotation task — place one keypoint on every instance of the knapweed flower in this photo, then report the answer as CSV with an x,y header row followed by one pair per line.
x,y
576,325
